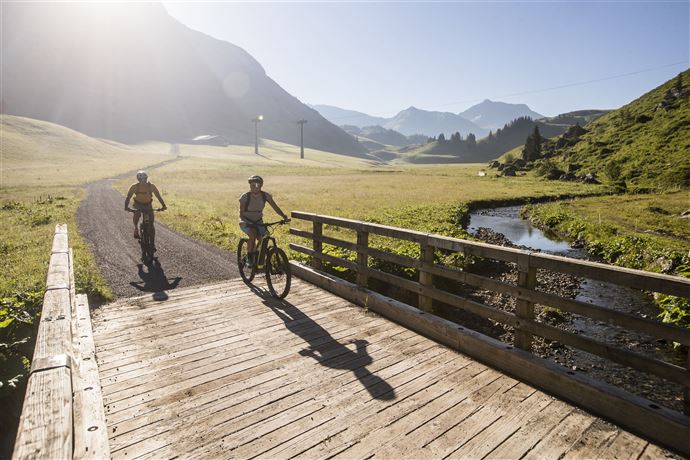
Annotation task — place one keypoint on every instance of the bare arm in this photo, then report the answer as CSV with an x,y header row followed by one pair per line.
x,y
129,197
158,196
276,208
242,216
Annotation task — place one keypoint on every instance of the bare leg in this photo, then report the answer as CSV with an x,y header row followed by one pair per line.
x,y
251,243
135,219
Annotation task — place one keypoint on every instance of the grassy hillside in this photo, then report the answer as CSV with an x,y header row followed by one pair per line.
x,y
511,135
644,144
41,154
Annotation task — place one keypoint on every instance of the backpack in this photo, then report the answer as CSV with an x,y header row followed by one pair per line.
x,y
249,198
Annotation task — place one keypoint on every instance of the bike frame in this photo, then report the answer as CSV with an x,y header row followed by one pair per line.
x,y
264,242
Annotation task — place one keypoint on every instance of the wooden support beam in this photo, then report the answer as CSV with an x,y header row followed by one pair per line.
x,y
524,309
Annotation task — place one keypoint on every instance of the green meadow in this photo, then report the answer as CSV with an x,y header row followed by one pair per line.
x,y
45,169
202,189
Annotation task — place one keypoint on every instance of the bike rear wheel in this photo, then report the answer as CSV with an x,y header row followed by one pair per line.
x,y
247,270
146,241
278,274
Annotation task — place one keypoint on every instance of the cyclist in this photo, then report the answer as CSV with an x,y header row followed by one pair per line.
x,y
143,192
251,213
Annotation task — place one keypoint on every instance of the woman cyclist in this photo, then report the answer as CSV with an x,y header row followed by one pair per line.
x,y
251,213
143,192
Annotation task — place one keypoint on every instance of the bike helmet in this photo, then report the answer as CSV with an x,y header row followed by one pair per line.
x,y
142,176
256,179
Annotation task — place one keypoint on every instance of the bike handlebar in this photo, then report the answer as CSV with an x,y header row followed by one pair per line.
x,y
141,210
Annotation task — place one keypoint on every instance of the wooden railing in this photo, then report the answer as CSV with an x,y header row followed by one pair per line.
x,y
62,416
661,424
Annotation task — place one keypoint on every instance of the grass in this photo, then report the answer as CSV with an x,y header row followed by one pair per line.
x,y
202,189
43,168
643,145
645,232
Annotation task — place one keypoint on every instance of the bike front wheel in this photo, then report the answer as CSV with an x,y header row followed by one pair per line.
x,y
247,270
278,274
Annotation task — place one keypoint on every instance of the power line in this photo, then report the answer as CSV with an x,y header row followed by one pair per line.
x,y
540,90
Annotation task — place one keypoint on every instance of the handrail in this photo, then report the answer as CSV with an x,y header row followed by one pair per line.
x,y
523,320
53,423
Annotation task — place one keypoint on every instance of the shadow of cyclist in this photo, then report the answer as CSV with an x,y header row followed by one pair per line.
x,y
325,349
154,280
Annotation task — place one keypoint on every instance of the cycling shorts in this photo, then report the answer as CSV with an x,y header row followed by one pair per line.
x,y
260,225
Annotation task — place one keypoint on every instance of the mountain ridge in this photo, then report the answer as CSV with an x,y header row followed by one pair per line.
x,y
107,75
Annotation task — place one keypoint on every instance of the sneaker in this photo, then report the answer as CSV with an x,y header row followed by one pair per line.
x,y
136,233
250,260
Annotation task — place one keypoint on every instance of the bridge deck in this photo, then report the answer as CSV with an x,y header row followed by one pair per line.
x,y
219,371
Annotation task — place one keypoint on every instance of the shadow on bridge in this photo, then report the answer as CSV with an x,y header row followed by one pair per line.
x,y
325,349
154,280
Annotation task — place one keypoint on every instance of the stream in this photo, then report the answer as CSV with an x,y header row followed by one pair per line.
x,y
506,220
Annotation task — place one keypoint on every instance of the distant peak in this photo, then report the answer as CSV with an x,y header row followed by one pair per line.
x,y
486,101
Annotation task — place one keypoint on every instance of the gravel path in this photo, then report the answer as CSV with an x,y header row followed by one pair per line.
x,y
182,261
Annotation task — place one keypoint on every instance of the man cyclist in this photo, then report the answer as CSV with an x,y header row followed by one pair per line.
x,y
143,192
251,213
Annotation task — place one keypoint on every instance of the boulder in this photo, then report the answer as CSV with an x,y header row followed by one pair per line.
x,y
509,171
590,178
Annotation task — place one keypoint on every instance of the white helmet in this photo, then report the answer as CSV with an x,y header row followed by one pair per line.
x,y
142,176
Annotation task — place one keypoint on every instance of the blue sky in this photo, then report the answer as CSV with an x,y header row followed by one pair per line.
x,y
380,58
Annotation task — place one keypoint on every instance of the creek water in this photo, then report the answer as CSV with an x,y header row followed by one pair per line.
x,y
506,220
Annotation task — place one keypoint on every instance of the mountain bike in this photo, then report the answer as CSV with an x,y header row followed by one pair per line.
x,y
146,234
270,258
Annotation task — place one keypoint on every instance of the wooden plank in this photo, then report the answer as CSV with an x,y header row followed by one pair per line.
x,y
599,435
531,432
477,249
317,230
384,230
445,411
512,419
362,259
403,261
624,446
648,326
395,280
244,416
354,421
90,428
321,257
636,279
638,414
524,309
213,399
325,239
622,356
426,280
45,426
562,437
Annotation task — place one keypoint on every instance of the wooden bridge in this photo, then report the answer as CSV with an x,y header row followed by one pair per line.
x,y
338,369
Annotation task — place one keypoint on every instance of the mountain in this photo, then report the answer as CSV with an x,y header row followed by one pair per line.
x,y
340,117
491,115
416,121
470,150
130,72
642,145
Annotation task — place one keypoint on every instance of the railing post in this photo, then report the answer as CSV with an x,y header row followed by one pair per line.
x,y
686,391
318,244
362,258
426,279
527,278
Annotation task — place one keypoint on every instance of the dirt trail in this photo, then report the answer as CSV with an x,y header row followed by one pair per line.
x,y
182,261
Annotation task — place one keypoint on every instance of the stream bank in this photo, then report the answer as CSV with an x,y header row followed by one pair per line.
x,y
503,226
